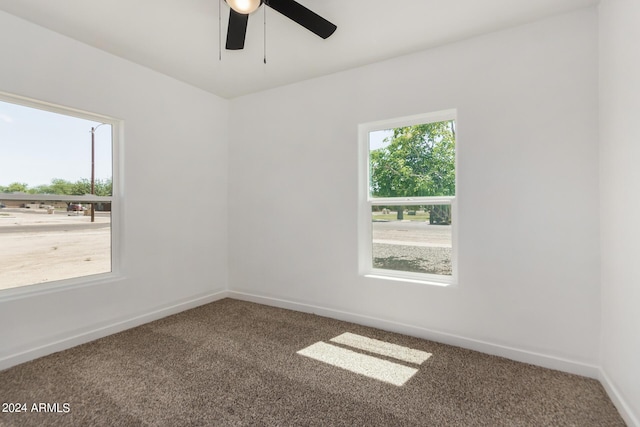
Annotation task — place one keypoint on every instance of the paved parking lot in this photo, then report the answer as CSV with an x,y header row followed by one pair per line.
x,y
37,247
413,246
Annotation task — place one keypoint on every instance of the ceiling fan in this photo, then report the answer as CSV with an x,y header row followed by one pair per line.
x,y
241,9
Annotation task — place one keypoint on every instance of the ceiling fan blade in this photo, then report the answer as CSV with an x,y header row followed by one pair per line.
x,y
303,16
237,30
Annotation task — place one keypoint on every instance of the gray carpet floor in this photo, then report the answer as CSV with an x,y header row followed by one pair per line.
x,y
234,363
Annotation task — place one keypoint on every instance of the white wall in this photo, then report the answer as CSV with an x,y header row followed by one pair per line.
x,y
527,189
175,151
620,205
528,156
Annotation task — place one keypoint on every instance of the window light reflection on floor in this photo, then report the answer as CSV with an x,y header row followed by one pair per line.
x,y
382,348
365,364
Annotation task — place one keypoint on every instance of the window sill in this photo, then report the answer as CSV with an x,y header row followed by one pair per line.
x,y
423,279
37,289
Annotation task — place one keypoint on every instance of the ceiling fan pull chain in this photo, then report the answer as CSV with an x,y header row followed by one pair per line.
x,y
219,30
265,34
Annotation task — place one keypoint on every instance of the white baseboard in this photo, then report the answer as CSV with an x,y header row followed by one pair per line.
x,y
103,331
626,412
538,359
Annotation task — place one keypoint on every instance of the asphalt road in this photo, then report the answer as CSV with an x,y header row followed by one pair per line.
x,y
413,233
40,228
38,221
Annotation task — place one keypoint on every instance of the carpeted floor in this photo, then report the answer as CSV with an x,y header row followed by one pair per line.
x,y
233,363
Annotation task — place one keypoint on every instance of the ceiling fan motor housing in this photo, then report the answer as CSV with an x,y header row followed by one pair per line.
x,y
244,7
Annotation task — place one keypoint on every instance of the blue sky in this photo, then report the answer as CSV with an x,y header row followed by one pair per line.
x,y
37,146
376,138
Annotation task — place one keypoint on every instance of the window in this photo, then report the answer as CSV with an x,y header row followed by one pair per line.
x,y
407,218
57,181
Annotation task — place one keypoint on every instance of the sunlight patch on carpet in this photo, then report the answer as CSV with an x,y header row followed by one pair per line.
x,y
382,348
363,364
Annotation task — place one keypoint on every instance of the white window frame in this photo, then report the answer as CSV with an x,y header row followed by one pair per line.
x,y
117,129
366,203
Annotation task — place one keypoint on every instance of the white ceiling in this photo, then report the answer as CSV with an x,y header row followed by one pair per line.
x,y
180,37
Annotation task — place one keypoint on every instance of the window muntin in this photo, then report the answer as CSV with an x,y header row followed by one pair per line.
x,y
47,229
408,203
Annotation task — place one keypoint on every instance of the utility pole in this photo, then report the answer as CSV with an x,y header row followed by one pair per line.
x,y
93,169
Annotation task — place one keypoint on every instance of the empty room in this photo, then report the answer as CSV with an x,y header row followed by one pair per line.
x,y
278,212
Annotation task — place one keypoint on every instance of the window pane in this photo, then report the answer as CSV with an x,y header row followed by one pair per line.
x,y
61,156
46,152
413,161
41,244
412,238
